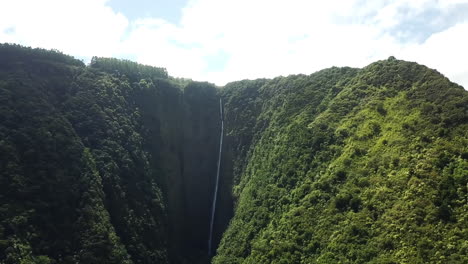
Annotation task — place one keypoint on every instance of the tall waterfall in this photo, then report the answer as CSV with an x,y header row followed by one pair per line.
x,y
213,208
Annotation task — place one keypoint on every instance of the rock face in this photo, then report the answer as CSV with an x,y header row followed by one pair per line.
x,y
115,162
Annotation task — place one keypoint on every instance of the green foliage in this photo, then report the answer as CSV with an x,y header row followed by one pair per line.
x,y
115,163
353,166
91,158
27,57
134,71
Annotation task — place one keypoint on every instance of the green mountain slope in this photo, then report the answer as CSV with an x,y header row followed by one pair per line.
x,y
115,162
351,166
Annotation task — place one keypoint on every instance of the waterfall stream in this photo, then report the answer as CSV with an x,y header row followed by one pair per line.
x,y
213,208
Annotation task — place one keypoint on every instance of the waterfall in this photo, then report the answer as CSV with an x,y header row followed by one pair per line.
x,y
213,208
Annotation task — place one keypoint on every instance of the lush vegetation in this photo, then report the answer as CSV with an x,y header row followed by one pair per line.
x,y
114,162
92,161
349,166
132,70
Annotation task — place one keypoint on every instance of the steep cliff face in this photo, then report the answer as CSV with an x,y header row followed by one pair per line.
x,y
111,163
115,162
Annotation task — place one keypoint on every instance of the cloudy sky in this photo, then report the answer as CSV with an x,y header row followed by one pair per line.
x,y
226,40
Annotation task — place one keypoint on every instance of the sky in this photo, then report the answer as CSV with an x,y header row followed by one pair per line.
x,y
227,40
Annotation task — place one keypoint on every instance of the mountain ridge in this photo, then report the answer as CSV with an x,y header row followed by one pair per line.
x,y
115,163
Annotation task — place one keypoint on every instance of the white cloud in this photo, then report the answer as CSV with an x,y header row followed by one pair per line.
x,y
156,42
80,27
261,38
444,51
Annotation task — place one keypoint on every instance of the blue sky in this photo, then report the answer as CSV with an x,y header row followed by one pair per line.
x,y
169,10
225,40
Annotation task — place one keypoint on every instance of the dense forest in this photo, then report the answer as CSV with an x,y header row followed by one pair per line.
x,y
115,162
